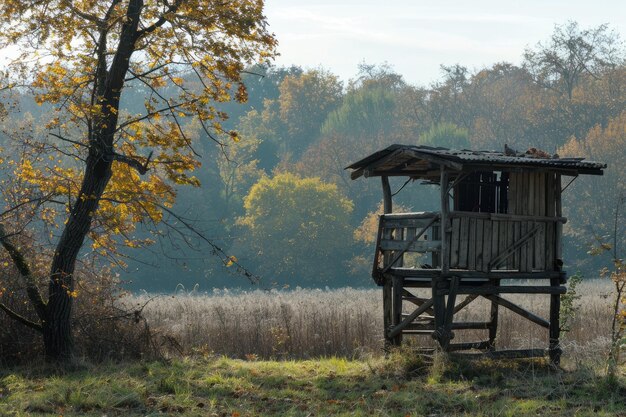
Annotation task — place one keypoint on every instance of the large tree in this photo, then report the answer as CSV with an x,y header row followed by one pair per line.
x,y
80,57
571,53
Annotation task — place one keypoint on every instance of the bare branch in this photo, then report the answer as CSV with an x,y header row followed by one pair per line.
x,y
134,163
21,319
226,259
161,21
67,140
24,269
151,114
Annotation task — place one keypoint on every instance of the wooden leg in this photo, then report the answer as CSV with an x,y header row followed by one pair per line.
x,y
398,286
447,325
493,319
555,327
439,309
387,310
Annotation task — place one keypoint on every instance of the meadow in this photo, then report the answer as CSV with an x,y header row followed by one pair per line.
x,y
320,352
304,323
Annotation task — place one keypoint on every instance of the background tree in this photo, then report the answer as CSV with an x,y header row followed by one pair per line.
x,y
299,230
79,57
304,103
571,53
445,135
589,220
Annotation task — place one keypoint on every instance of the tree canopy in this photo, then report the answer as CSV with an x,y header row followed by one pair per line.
x,y
299,228
80,58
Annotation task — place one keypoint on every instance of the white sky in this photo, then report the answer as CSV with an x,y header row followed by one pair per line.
x,y
416,36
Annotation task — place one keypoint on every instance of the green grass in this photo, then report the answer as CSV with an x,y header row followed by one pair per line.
x,y
379,387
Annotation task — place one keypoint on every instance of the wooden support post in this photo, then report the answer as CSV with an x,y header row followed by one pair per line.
x,y
447,325
387,310
397,308
439,309
444,231
387,232
387,202
555,299
558,249
555,326
439,306
493,319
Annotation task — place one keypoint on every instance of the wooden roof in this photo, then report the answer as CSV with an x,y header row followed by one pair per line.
x,y
425,162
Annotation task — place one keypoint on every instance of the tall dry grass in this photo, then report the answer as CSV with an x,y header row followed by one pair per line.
x,y
305,323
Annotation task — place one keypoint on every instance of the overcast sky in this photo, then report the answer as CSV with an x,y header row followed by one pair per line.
x,y
416,37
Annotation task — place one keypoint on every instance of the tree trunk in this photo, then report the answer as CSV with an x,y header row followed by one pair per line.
x,y
57,328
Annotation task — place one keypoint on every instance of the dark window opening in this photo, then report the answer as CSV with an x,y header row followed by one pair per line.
x,y
482,192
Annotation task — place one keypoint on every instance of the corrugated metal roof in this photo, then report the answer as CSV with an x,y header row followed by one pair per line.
x,y
418,161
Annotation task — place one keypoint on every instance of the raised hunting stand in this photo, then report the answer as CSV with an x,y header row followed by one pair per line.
x,y
502,228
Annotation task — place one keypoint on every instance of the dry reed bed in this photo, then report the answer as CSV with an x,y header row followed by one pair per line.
x,y
306,323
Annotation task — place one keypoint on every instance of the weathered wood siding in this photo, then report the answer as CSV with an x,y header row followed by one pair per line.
x,y
489,241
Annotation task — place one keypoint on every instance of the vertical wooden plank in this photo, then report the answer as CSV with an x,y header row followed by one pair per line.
x,y
550,246
455,239
398,234
523,258
436,256
558,248
487,244
479,245
387,254
539,194
502,240
530,252
510,240
539,239
409,234
495,233
531,193
551,227
464,243
516,237
471,252
540,247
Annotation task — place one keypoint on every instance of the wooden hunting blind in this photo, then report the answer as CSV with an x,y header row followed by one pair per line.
x,y
498,232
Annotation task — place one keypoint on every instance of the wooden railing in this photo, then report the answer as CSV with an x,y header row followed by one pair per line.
x,y
477,242
403,234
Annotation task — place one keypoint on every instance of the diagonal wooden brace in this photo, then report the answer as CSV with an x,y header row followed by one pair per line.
x,y
407,320
511,249
519,310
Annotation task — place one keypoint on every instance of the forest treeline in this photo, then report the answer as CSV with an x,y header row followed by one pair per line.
x,y
277,199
